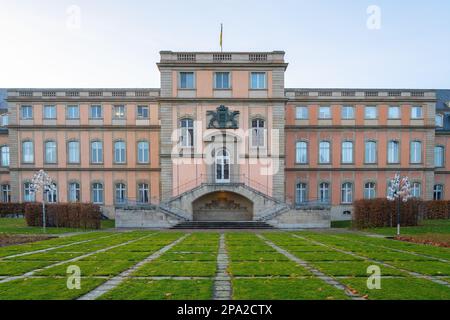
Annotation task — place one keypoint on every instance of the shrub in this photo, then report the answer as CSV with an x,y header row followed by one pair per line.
x,y
12,209
383,213
436,210
64,215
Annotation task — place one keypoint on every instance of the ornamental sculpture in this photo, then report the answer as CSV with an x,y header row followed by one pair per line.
x,y
222,118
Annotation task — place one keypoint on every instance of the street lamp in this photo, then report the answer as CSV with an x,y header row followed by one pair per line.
x,y
399,190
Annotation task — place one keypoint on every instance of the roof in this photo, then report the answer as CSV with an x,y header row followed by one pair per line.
x,y
443,98
3,96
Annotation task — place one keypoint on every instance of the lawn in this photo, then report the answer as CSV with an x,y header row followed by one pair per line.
x,y
426,227
172,265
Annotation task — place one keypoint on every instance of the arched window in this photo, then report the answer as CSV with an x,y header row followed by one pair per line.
x,y
73,148
143,193
52,194
416,190
5,156
370,152
96,152
27,152
301,193
347,152
439,156
121,191
324,192
324,152
50,152
187,132
119,152
28,192
416,152
301,152
393,152
97,193
258,133
438,192
143,152
369,190
347,193
74,192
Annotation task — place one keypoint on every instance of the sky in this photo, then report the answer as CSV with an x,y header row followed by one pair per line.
x,y
328,43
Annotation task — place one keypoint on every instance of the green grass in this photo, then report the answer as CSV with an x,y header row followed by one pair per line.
x,y
179,269
268,269
19,226
341,224
427,226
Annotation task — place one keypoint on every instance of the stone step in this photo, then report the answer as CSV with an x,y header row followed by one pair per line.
x,y
223,225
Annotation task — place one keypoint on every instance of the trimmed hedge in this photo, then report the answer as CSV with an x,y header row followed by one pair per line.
x,y
64,215
12,209
436,210
383,213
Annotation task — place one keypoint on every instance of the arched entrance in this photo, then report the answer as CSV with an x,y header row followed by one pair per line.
x,y
222,206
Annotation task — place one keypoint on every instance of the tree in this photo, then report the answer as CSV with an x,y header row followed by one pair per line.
x,y
42,182
399,190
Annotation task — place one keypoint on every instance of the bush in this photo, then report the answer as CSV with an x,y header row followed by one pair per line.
x,y
64,215
12,209
436,210
383,213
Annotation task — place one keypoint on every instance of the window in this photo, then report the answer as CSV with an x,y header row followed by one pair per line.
x,y
143,193
119,152
300,193
369,190
74,192
348,112
51,195
393,152
6,193
97,193
143,151
324,192
416,112
324,152
50,152
222,80
187,132
119,112
394,112
27,152
347,152
258,80
121,193
96,152
142,112
74,151
73,112
186,80
416,190
439,156
96,112
4,156
324,112
26,112
301,113
439,120
49,112
28,193
4,120
438,192
416,152
370,152
370,112
347,193
258,133
301,152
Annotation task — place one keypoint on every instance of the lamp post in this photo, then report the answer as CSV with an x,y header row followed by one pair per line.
x,y
399,190
42,181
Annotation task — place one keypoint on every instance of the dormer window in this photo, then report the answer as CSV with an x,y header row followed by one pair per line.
x,y
439,120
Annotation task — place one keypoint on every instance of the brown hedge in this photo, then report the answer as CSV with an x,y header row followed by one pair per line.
x,y
436,209
383,213
12,209
64,215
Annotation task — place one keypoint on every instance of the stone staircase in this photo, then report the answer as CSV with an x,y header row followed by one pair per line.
x,y
220,225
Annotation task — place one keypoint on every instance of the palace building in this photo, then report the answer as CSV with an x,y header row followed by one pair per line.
x,y
223,139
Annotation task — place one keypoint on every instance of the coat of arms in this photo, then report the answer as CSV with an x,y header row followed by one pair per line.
x,y
222,118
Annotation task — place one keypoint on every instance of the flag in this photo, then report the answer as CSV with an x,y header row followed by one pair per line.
x,y
221,36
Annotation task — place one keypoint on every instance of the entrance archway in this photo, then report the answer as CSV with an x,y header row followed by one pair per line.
x,y
222,206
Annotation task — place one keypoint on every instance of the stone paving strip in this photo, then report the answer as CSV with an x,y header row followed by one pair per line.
x,y
411,273
327,279
54,248
117,280
393,249
222,280
31,273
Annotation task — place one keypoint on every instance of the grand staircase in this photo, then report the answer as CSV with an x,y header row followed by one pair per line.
x,y
220,225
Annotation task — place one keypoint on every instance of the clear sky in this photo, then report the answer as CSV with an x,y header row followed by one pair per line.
x,y
327,42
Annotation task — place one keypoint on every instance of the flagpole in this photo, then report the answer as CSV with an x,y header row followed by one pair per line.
x,y
221,37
